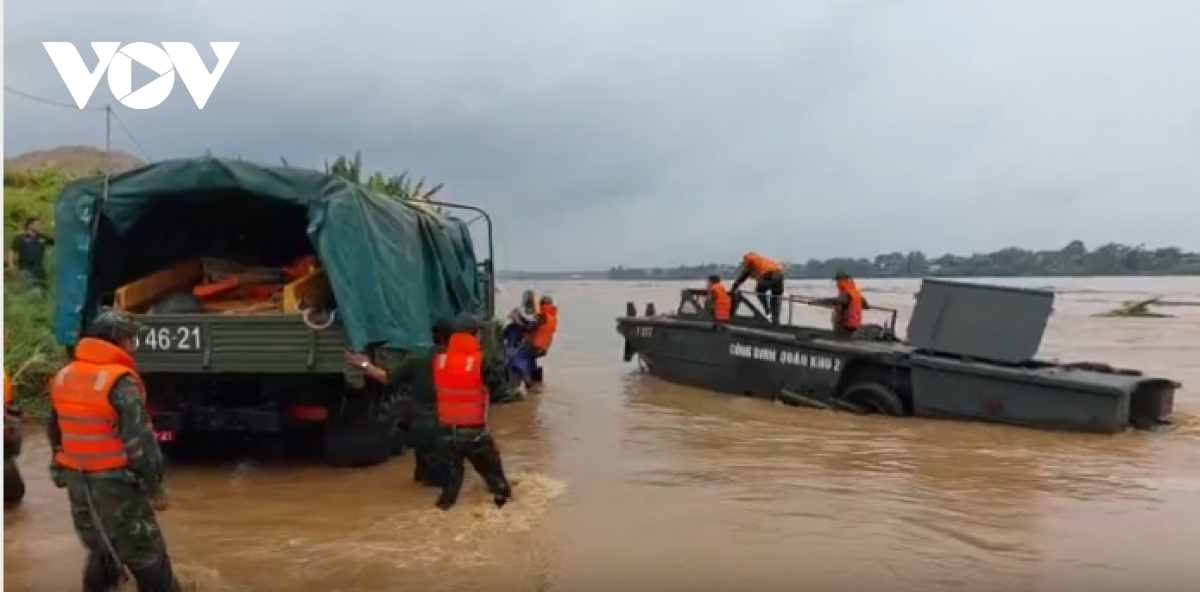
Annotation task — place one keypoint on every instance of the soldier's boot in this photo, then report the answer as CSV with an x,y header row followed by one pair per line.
x,y
158,577
485,459
100,574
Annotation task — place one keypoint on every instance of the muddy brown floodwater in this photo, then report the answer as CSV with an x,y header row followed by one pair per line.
x,y
627,481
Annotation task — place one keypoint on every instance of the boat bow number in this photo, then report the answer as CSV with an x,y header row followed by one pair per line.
x,y
786,357
179,338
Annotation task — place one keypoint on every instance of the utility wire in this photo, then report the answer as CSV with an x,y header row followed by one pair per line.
x,y
44,100
128,134
109,113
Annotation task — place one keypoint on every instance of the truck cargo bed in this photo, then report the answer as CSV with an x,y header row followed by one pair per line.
x,y
266,343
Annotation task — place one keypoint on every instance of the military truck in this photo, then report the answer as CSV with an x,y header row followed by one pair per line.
x,y
303,266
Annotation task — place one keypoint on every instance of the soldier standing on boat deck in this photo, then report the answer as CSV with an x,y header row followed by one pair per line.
x,y
848,305
768,276
720,304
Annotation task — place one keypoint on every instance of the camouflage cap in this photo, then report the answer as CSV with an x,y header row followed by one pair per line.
x,y
113,323
443,325
467,322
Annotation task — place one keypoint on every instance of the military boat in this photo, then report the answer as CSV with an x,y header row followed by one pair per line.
x,y
969,354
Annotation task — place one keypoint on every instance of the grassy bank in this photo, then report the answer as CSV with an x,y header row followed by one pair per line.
x,y
31,355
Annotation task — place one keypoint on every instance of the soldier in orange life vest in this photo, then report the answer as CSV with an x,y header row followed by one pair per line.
x,y
545,328
14,485
848,305
719,301
462,415
542,326
768,275
106,456
414,373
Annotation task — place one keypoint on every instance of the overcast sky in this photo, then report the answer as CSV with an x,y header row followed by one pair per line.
x,y
672,131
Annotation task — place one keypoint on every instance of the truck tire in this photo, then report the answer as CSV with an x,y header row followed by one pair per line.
x,y
362,433
398,412
873,398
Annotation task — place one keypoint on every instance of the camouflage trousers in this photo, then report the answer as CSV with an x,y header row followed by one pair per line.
x,y
430,468
459,446
118,520
14,485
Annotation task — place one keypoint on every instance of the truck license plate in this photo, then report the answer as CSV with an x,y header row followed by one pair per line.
x,y
177,338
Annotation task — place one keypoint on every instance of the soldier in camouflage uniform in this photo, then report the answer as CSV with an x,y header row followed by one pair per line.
x,y
108,459
459,443
414,374
496,374
14,485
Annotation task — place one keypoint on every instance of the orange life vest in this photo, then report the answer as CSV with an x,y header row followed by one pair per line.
x,y
543,336
11,420
851,317
86,418
758,266
462,398
722,304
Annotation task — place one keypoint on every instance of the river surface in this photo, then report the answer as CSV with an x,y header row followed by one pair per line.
x,y
626,481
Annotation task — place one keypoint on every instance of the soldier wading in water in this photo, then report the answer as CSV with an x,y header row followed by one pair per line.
x,y
106,456
462,402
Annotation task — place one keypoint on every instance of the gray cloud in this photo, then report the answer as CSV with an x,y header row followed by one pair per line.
x,y
664,132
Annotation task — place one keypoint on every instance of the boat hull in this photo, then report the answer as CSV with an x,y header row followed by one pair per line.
x,y
818,369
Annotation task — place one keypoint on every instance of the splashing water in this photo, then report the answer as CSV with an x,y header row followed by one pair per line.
x,y
192,578
426,535
407,538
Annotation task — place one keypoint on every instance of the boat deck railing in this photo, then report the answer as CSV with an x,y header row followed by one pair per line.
x,y
693,301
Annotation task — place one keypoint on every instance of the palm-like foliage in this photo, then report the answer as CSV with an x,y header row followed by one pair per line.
x,y
402,187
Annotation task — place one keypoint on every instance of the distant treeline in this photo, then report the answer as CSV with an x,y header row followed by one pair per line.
x,y
551,275
1072,260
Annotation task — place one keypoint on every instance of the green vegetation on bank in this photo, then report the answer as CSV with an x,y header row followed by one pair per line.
x,y
31,355
1075,259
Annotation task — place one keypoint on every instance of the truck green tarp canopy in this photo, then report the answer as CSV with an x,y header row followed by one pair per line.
x,y
395,267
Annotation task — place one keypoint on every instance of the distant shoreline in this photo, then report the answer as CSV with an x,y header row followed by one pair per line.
x,y
604,277
1072,260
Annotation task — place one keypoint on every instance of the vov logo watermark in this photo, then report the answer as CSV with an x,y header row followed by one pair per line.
x,y
172,57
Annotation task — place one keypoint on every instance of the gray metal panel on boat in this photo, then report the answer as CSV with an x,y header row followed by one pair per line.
x,y
1065,400
997,323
